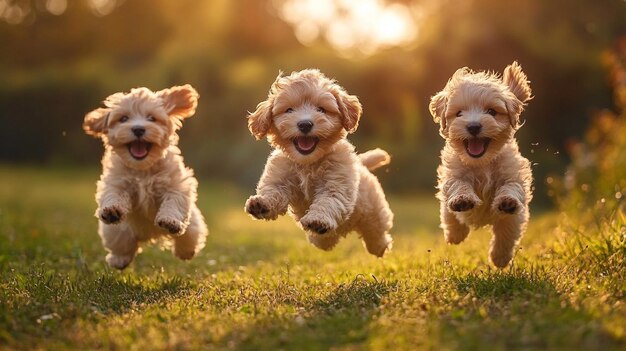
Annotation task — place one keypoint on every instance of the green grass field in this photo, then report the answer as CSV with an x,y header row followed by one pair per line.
x,y
261,286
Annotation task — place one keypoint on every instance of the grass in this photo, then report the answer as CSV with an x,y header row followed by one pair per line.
x,y
260,285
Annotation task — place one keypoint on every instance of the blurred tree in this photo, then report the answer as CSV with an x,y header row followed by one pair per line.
x,y
53,69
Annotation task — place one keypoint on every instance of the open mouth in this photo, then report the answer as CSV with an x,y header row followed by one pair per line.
x,y
139,149
476,147
305,144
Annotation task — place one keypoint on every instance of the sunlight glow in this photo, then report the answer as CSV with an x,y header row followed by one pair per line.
x,y
19,12
102,7
365,26
13,13
56,7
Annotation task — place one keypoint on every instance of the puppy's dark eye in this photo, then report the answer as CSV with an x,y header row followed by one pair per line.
x,y
289,110
123,119
492,112
459,114
321,110
151,118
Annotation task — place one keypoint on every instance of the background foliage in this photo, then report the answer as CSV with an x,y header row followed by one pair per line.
x,y
55,68
260,285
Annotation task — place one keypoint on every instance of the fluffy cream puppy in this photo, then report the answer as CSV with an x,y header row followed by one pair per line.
x,y
483,178
145,190
314,171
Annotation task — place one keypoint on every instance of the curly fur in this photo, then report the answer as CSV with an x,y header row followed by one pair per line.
x,y
155,196
329,191
495,187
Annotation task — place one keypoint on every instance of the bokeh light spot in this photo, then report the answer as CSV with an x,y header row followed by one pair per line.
x,y
56,7
103,7
351,26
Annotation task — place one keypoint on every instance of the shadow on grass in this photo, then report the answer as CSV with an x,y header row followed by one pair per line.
x,y
517,309
504,284
219,255
40,302
340,318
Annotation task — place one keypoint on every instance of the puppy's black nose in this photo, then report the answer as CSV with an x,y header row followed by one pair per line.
x,y
138,131
474,128
305,126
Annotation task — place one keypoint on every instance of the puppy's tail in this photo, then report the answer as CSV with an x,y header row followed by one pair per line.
x,y
374,159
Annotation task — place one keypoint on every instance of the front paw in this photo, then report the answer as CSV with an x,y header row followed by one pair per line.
x,y
118,261
111,214
508,205
172,225
259,208
462,203
319,224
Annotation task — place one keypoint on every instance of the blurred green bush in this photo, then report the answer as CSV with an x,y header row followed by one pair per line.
x,y
592,194
597,174
54,69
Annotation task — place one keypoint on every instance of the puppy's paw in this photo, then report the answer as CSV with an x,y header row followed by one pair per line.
x,y
184,254
378,246
500,259
508,205
455,234
111,214
319,224
172,225
119,262
462,203
259,208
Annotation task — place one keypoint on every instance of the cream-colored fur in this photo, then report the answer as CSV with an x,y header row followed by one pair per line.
x,y
489,189
141,199
329,191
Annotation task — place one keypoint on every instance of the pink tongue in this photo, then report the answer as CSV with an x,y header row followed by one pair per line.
x,y
306,143
138,149
476,146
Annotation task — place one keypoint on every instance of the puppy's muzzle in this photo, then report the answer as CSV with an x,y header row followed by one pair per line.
x,y
138,131
139,148
474,128
305,126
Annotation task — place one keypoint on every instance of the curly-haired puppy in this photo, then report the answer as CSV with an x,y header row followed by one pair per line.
x,y
145,190
314,171
483,178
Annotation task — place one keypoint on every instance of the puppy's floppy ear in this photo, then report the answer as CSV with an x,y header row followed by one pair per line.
x,y
259,121
179,101
95,122
439,102
460,73
517,82
350,109
519,86
437,108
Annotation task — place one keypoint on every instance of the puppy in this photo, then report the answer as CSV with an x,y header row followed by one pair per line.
x,y
145,190
483,178
314,171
